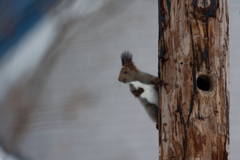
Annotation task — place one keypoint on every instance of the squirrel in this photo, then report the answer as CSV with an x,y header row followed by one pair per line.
x,y
130,72
143,86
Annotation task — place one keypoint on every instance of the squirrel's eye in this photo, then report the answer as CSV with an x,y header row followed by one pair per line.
x,y
125,72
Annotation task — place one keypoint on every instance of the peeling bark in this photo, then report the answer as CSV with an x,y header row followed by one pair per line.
x,y
194,103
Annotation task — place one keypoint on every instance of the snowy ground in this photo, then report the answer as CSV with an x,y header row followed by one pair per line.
x,y
86,114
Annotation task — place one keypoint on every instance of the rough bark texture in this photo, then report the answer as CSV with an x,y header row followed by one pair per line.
x,y
194,61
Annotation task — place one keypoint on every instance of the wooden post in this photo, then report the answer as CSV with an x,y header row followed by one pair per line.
x,y
194,63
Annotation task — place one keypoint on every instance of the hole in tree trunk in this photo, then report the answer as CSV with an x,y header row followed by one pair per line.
x,y
205,83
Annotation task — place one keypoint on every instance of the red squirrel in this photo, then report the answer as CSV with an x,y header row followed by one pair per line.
x,y
142,85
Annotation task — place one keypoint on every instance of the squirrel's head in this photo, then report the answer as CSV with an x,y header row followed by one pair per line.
x,y
128,71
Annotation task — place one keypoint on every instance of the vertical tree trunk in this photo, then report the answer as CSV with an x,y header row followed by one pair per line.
x,y
194,63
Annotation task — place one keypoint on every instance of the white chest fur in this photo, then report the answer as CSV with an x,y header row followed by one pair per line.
x,y
150,93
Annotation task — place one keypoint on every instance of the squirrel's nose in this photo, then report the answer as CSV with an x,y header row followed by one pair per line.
x,y
119,79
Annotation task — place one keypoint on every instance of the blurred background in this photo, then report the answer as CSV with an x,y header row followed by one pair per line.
x,y
59,94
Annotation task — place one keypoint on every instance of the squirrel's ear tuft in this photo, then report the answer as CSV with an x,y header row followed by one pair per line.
x,y
126,58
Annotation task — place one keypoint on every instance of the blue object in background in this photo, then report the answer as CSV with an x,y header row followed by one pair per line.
x,y
17,18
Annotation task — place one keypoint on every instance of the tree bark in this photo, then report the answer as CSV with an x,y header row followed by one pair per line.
x,y
194,64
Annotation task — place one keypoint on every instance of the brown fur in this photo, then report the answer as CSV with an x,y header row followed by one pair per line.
x,y
136,92
126,58
130,72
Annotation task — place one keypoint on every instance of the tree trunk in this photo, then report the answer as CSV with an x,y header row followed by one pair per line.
x,y
194,64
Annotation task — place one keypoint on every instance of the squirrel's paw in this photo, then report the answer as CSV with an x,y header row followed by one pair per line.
x,y
162,83
137,92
